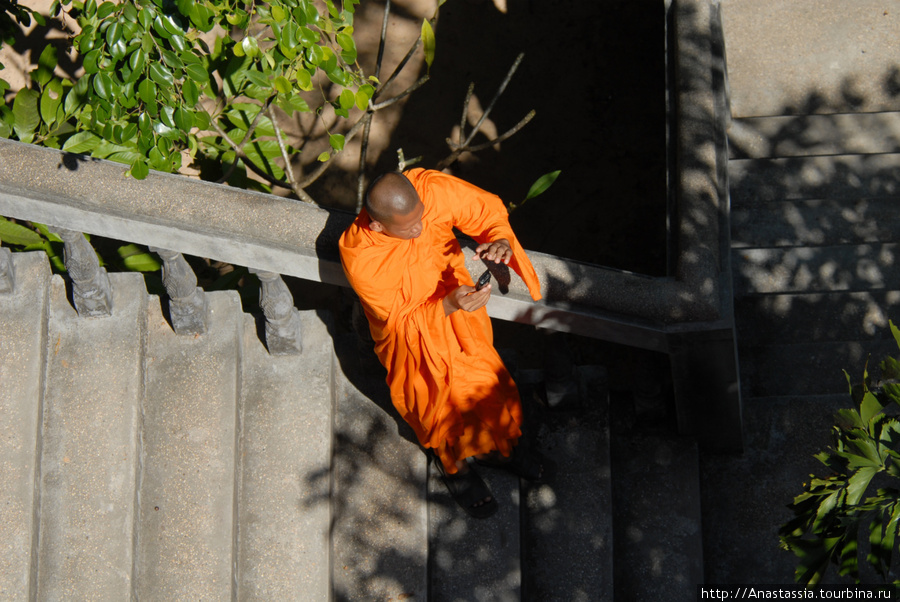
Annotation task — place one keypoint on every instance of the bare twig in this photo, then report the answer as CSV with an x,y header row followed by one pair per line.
x,y
397,69
504,136
465,113
288,168
312,177
463,146
384,22
240,154
361,172
386,103
500,91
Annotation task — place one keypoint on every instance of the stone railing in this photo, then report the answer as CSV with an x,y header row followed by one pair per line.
x,y
686,314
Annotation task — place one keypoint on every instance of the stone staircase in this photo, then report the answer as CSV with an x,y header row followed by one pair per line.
x,y
141,464
814,170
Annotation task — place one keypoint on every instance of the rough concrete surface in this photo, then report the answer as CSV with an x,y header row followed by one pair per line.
x,y
285,455
568,518
91,426
380,532
812,56
475,560
809,135
658,528
23,318
744,497
187,489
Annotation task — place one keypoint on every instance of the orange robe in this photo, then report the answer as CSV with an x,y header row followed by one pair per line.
x,y
446,379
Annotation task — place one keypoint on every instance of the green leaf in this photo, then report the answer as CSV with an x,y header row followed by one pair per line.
x,y
139,170
82,142
363,95
258,78
542,184
347,99
324,157
51,99
16,234
250,46
336,141
161,75
46,64
191,92
26,113
103,85
304,80
870,407
184,119
282,84
138,259
428,42
197,73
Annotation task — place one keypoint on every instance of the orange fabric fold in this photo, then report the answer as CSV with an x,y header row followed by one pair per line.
x,y
446,379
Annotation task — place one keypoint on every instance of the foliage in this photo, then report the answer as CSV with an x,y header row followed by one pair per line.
x,y
834,512
197,79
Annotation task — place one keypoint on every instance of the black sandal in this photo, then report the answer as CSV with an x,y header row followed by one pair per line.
x,y
522,463
468,489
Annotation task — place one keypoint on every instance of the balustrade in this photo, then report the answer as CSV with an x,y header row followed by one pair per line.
x,y
90,283
7,274
283,328
188,306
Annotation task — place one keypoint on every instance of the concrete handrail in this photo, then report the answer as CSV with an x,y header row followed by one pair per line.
x,y
273,234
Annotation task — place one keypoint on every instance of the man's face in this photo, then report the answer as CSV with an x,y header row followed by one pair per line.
x,y
403,226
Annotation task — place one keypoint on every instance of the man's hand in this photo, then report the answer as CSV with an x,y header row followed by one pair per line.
x,y
496,251
466,298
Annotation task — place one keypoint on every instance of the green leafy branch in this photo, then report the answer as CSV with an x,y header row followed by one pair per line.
x,y
835,511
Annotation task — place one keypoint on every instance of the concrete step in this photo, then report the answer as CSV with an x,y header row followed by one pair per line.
x,y
187,539
756,181
90,445
812,135
379,533
815,317
656,505
814,368
568,518
23,323
815,222
471,559
745,496
284,510
847,268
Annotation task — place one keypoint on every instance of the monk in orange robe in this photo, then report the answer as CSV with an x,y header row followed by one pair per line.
x,y
430,325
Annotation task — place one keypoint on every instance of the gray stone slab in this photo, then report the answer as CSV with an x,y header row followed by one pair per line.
x,y
568,519
745,496
285,459
658,528
379,512
812,56
186,538
475,560
815,317
818,222
815,269
810,135
23,323
755,181
808,368
91,430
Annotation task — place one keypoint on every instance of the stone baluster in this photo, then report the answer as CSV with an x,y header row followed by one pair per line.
x,y
90,283
188,306
7,274
283,330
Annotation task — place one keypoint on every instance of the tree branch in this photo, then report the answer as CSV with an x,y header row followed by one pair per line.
x,y
288,168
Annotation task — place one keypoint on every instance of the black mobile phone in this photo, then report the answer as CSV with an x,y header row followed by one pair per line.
x,y
483,280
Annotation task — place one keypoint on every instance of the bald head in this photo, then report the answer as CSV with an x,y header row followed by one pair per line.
x,y
390,195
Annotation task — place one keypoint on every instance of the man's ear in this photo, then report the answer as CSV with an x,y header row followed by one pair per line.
x,y
375,226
